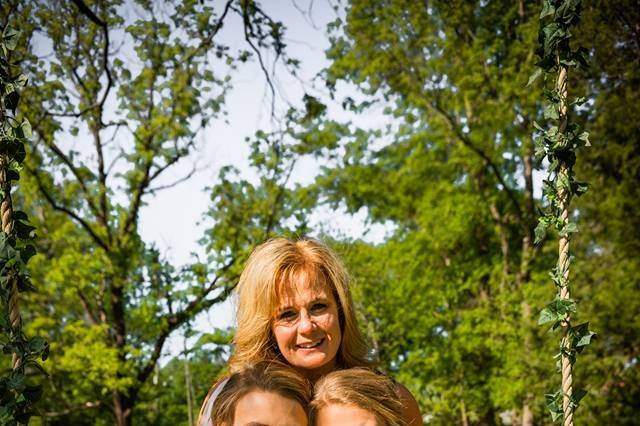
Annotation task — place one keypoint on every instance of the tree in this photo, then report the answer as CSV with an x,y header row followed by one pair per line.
x,y
457,180
112,300
450,296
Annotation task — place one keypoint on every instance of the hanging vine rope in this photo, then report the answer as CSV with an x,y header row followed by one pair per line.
x,y
6,215
559,143
17,393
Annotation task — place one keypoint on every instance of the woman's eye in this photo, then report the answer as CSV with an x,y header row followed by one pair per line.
x,y
318,307
286,315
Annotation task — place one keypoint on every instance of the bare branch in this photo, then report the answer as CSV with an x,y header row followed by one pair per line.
x,y
174,183
105,52
248,33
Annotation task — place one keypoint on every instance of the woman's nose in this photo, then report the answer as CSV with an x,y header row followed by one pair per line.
x,y
306,323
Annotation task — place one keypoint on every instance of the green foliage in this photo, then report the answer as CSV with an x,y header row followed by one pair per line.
x,y
123,95
448,296
18,391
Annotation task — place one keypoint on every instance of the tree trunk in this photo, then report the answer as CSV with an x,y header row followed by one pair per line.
x,y
122,407
527,414
187,383
463,414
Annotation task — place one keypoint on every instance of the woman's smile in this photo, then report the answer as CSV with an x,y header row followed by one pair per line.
x,y
307,329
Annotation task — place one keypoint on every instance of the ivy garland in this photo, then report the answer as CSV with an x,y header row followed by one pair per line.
x,y
559,144
17,392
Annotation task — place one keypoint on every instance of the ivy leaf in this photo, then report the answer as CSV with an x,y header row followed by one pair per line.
x,y
569,228
10,37
541,230
26,128
551,112
581,336
557,310
579,188
537,73
554,404
547,9
581,56
577,396
546,315
11,101
584,137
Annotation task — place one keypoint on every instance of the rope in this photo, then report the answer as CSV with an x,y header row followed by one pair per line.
x,y
563,258
6,212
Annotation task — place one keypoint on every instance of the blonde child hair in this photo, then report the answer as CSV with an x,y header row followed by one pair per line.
x,y
362,388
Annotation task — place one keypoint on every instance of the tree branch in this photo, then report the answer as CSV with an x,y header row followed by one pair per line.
x,y
174,183
174,321
74,170
487,160
248,33
105,51
68,212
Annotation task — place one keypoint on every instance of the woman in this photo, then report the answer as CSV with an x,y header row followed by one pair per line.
x,y
356,396
294,305
268,393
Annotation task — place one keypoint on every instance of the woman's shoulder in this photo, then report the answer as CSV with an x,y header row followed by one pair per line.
x,y
204,418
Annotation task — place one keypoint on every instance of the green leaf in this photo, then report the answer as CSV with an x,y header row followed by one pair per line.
x,y
581,336
11,101
26,128
546,315
577,396
579,188
569,228
37,344
551,112
537,73
554,404
584,137
541,230
557,310
547,9
10,37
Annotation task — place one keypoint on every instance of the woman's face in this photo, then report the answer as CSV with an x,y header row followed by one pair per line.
x,y
345,415
268,408
307,329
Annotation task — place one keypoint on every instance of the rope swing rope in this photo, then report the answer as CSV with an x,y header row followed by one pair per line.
x,y
6,212
564,198
558,143
21,391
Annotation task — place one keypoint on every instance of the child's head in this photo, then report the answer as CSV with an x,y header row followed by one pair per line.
x,y
268,393
356,396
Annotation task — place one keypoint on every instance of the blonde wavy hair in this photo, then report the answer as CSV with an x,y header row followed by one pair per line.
x,y
362,388
265,376
275,267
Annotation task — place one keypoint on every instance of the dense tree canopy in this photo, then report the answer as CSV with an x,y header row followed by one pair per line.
x,y
119,94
